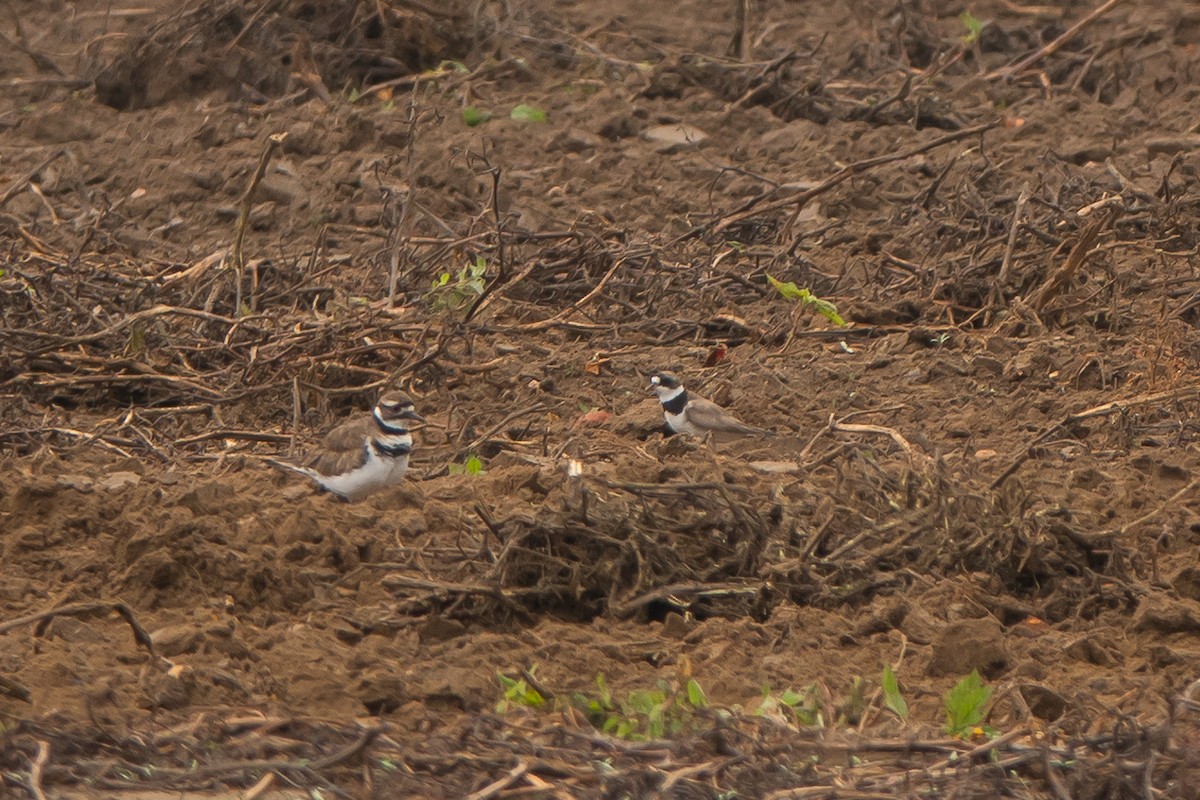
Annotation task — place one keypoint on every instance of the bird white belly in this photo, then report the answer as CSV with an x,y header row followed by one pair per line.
x,y
681,424
375,474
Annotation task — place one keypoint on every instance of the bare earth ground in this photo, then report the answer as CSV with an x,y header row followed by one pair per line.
x,y
1012,240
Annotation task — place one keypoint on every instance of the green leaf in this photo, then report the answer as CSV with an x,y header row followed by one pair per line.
x,y
696,695
606,698
974,27
791,291
891,694
473,116
965,703
524,113
473,465
654,723
354,95
455,66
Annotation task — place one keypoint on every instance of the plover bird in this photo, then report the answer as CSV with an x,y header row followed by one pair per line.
x,y
364,454
696,416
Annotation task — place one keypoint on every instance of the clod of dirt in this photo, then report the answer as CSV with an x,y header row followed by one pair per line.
x,y
641,420
224,45
1159,613
970,644
175,640
1187,583
381,691
440,629
1093,651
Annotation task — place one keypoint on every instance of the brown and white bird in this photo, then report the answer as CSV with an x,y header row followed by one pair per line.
x,y
364,454
696,416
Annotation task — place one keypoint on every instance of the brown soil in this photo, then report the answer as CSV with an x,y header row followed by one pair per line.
x,y
1016,254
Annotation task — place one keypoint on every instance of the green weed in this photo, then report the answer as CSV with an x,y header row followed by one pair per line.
x,y
524,113
473,116
825,308
453,292
974,27
644,714
472,466
518,692
891,694
964,705
799,709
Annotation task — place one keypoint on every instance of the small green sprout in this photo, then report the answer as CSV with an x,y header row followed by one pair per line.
x,y
450,293
472,466
825,308
473,116
518,692
965,704
891,694
524,113
974,27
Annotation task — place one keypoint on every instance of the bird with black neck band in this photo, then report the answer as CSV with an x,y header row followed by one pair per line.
x,y
364,454
692,415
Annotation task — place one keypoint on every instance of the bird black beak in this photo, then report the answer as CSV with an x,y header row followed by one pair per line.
x,y
412,414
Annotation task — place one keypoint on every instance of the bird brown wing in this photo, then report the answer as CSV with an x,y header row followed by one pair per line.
x,y
707,415
343,448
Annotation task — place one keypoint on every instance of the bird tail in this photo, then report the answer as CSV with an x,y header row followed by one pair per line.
x,y
285,466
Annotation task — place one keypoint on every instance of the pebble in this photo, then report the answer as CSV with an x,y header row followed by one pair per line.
x,y
670,138
119,480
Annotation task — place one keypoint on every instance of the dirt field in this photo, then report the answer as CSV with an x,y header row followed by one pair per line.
x,y
992,466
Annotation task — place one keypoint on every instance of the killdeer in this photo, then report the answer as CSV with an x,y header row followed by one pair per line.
x,y
365,454
696,416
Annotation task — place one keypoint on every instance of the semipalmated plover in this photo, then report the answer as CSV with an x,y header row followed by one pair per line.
x,y
695,416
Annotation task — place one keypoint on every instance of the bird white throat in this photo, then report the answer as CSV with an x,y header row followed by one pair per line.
x,y
366,454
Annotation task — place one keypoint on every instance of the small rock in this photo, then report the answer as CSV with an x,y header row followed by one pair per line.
x,y
282,188
576,140
671,138
73,630
119,480
175,640
80,483
675,626
776,467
